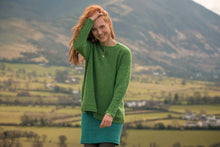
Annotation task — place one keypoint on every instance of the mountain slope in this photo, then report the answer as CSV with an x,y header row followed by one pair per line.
x,y
178,36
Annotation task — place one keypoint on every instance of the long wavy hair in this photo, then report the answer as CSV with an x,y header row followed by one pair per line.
x,y
89,11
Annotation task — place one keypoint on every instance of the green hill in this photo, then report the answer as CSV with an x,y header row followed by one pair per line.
x,y
176,37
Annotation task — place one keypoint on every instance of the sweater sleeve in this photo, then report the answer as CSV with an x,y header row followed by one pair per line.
x,y
122,81
81,44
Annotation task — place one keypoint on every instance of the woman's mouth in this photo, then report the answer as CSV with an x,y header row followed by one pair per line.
x,y
101,37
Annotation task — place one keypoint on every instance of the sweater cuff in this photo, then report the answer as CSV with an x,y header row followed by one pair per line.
x,y
112,109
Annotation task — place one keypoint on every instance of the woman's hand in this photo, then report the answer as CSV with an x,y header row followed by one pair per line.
x,y
96,15
106,121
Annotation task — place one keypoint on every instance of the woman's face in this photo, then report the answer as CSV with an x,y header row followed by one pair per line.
x,y
101,31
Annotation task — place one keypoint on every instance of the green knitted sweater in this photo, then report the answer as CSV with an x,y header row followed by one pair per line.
x,y
106,78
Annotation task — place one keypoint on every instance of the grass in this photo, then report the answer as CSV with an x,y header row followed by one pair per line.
x,y
12,114
42,93
160,88
12,109
155,88
10,117
70,110
135,137
130,118
173,122
73,135
209,109
168,138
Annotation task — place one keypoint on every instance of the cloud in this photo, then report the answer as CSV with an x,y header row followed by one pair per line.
x,y
213,5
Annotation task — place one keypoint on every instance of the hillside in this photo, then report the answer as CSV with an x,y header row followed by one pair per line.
x,y
176,37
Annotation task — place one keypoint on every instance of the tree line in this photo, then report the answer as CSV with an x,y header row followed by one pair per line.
x,y
196,99
10,138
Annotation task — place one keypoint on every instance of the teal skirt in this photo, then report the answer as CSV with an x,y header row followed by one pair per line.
x,y
91,132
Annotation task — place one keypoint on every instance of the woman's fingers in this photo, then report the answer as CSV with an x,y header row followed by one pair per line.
x,y
106,121
96,15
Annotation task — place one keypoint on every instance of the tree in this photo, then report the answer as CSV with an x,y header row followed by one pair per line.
x,y
62,139
159,126
176,98
177,144
61,76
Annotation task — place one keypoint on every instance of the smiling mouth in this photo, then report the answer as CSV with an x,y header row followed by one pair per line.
x,y
101,37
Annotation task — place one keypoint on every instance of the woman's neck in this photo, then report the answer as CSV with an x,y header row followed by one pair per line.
x,y
109,43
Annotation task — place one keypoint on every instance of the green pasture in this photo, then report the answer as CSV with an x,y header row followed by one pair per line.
x,y
12,114
143,138
166,88
52,133
33,99
4,93
10,117
40,70
43,93
136,117
171,122
168,138
144,87
209,109
69,110
73,86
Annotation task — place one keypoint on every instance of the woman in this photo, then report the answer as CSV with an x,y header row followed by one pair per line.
x,y
106,77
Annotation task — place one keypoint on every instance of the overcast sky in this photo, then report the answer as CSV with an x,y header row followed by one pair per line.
x,y
213,5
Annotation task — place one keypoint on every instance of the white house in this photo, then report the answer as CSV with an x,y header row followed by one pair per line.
x,y
210,117
189,116
190,124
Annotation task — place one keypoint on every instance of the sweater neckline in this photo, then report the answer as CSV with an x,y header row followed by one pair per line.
x,y
104,46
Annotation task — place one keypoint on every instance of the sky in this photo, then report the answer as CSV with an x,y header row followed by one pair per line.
x,y
213,5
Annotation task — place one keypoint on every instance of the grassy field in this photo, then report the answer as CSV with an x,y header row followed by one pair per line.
x,y
168,138
130,118
135,137
12,114
209,109
52,133
33,78
145,87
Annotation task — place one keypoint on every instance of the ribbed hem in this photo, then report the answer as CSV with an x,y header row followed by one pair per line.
x,y
91,108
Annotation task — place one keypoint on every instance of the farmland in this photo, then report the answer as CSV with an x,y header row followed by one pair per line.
x,y
38,93
135,137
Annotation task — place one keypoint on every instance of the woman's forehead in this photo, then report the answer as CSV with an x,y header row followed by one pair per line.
x,y
98,22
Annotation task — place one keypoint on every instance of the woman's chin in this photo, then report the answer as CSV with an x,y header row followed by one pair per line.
x,y
102,41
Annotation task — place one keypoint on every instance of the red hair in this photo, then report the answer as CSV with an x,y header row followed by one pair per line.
x,y
89,11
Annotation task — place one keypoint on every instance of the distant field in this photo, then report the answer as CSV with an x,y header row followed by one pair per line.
x,y
209,109
52,133
161,89
130,118
144,87
135,137
172,122
12,114
168,138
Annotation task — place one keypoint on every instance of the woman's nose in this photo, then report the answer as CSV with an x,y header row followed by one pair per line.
x,y
99,32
